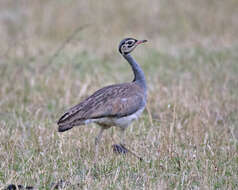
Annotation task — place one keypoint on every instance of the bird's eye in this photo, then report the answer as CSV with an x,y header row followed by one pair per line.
x,y
130,42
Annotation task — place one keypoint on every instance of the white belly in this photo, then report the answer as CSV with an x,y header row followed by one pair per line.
x,y
122,122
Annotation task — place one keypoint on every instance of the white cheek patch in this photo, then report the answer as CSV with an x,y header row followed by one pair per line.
x,y
124,47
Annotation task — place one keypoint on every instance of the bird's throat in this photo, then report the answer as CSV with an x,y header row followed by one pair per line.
x,y
139,76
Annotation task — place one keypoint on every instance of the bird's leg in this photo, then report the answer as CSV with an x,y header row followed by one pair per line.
x,y
120,148
112,134
122,136
97,141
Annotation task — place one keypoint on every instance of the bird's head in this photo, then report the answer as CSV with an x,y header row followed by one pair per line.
x,y
127,45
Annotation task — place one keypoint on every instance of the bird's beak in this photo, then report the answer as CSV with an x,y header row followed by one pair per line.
x,y
140,42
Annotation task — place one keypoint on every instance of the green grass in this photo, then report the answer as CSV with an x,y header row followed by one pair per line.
x,y
188,137
188,133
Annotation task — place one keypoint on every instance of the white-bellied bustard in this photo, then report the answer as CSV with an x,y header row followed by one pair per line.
x,y
115,105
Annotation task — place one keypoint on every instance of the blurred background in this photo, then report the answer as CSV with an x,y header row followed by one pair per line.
x,y
54,53
32,28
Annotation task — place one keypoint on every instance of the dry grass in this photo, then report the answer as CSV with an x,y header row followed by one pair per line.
x,y
188,135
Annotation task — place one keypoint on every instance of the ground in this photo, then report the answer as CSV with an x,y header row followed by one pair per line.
x,y
188,133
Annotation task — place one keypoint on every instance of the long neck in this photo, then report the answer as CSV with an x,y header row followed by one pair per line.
x,y
139,76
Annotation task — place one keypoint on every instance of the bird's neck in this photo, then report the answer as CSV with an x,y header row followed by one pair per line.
x,y
139,76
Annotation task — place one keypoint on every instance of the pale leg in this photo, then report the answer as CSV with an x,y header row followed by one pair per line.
x,y
97,141
121,148
122,136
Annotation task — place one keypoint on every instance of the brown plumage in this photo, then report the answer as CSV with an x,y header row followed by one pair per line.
x,y
114,105
117,101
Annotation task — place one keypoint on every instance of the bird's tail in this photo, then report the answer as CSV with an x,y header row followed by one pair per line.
x,y
64,127
65,123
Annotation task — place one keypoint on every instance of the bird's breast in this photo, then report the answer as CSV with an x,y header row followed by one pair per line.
x,y
121,122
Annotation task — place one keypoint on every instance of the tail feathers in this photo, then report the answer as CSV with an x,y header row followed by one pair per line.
x,y
64,127
63,118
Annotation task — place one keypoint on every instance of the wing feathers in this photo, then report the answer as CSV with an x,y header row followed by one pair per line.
x,y
111,101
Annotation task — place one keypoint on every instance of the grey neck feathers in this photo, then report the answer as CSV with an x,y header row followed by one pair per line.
x,y
139,76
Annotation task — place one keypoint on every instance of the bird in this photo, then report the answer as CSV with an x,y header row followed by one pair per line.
x,y
114,105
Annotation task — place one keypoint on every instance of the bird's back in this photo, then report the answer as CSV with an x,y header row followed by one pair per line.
x,y
114,101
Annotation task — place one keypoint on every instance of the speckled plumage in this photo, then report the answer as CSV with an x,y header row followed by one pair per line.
x,y
113,101
115,105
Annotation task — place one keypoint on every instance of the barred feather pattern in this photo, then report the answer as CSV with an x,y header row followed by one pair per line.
x,y
114,101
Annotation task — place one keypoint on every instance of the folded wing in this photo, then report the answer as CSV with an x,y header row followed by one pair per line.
x,y
111,101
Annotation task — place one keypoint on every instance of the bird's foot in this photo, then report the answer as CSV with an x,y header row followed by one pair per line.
x,y
120,149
